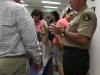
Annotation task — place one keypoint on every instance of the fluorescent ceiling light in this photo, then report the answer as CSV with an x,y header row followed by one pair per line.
x,y
49,7
50,2
25,4
22,1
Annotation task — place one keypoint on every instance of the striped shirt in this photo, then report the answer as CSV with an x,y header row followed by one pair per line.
x,y
17,31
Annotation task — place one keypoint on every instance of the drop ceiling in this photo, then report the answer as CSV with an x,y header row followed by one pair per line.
x,y
39,4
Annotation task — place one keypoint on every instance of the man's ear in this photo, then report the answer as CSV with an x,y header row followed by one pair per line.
x,y
18,1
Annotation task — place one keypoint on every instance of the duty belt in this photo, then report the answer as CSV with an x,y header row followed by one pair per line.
x,y
74,48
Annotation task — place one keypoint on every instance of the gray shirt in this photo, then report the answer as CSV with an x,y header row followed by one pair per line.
x,y
17,31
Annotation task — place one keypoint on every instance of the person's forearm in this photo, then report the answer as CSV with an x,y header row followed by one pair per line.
x,y
59,41
58,38
76,38
31,44
35,54
42,33
27,32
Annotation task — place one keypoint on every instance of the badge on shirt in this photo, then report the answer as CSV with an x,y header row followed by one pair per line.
x,y
86,23
86,18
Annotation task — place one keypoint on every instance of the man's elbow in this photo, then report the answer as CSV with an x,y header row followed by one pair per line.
x,y
83,41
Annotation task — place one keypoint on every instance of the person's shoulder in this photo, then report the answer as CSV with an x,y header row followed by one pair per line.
x,y
44,22
14,4
19,8
14,7
62,20
59,20
89,11
88,15
40,23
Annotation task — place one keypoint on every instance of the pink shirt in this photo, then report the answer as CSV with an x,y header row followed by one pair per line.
x,y
38,28
64,23
38,25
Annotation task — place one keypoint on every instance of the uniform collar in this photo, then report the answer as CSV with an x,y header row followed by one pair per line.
x,y
84,7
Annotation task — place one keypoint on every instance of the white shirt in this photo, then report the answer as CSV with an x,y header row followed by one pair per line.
x,y
17,31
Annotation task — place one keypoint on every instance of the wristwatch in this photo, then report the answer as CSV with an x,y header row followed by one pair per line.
x,y
63,33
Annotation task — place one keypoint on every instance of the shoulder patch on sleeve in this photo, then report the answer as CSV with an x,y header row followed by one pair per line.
x,y
86,23
86,17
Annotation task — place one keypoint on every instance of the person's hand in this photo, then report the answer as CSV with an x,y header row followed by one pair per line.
x,y
37,67
56,29
30,59
37,30
61,46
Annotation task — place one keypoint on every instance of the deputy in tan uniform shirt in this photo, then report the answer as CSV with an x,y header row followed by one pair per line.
x,y
77,38
84,23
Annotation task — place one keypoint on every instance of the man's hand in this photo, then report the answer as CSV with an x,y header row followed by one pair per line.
x,y
56,29
61,46
37,67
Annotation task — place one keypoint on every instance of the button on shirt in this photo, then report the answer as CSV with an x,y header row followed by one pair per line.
x,y
17,31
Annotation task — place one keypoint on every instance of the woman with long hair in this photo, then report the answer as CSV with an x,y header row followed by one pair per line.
x,y
57,41
54,18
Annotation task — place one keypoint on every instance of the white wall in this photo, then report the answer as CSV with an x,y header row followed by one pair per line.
x,y
30,9
95,46
65,9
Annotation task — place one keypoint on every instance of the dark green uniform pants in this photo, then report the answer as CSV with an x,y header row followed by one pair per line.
x,y
14,66
76,62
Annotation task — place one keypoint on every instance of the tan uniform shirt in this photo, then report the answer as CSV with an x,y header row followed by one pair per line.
x,y
84,23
